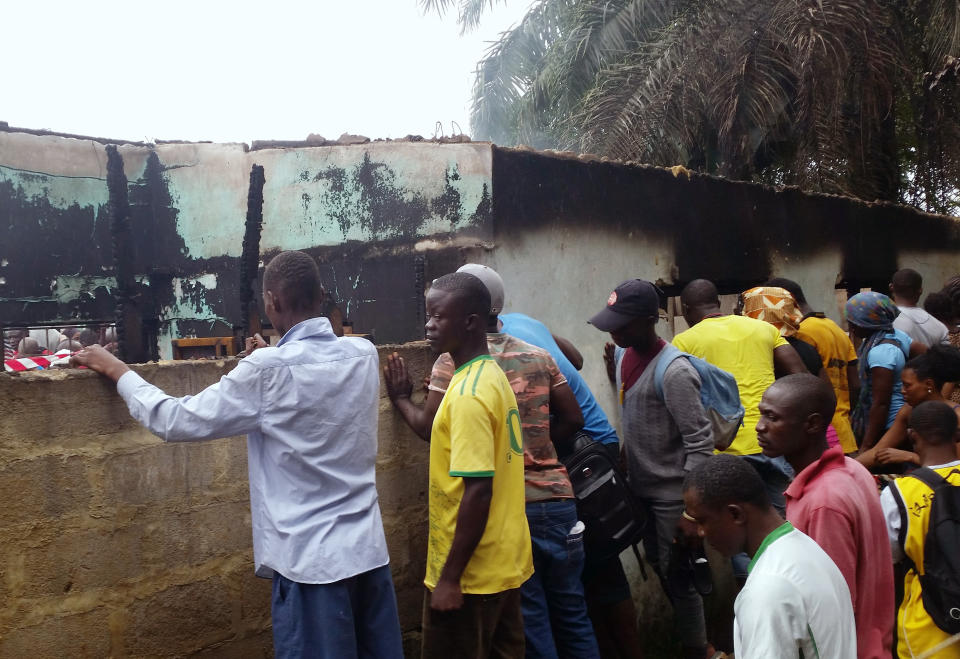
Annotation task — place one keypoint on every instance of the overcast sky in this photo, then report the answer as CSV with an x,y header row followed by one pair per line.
x,y
239,70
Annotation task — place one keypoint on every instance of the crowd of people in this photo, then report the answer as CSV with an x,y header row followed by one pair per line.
x,y
36,342
789,498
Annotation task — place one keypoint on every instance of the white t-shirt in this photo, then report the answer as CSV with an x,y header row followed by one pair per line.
x,y
795,599
921,326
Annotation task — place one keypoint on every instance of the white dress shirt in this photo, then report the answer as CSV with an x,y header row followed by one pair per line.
x,y
309,409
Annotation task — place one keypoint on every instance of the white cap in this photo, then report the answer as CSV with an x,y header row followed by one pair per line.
x,y
491,280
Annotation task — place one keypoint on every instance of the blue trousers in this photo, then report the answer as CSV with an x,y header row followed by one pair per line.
x,y
350,619
555,621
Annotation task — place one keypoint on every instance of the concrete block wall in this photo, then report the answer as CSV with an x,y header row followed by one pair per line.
x,y
113,543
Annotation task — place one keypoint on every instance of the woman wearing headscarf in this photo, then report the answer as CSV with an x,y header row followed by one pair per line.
x,y
776,306
882,354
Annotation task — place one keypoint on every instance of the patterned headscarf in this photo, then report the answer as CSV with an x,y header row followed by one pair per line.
x,y
872,311
875,312
775,306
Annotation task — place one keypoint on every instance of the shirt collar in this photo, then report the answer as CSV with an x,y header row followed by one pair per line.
x,y
478,358
773,536
832,458
305,328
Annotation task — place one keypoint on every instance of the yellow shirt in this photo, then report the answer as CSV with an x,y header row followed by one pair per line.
x,y
836,351
744,348
477,433
916,631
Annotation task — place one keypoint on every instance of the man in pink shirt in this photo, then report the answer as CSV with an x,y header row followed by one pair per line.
x,y
834,500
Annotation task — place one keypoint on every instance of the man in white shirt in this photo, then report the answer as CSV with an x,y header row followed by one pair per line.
x,y
795,602
906,287
309,409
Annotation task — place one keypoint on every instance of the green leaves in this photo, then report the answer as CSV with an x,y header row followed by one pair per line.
x,y
856,97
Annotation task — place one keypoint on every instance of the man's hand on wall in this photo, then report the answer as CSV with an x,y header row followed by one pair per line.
x,y
252,343
98,359
396,378
610,361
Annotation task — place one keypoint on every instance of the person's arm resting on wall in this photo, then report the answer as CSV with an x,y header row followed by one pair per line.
x,y
399,389
229,407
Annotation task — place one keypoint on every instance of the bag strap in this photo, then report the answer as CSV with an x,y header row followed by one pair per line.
x,y
928,476
667,355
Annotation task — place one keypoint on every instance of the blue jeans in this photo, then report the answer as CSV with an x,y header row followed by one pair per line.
x,y
776,474
349,619
555,622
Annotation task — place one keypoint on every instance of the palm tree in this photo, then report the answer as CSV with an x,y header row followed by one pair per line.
x,y
857,97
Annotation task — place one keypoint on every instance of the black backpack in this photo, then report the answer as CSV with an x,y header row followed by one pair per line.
x,y
940,582
605,503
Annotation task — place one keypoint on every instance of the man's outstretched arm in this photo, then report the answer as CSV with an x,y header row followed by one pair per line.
x,y
228,407
400,387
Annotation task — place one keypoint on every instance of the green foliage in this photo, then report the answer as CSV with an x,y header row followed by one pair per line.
x,y
858,97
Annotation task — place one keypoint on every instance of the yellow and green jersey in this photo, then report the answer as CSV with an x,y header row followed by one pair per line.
x,y
477,433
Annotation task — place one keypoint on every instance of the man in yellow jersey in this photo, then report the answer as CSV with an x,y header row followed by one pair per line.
x,y
755,354
838,356
906,506
478,552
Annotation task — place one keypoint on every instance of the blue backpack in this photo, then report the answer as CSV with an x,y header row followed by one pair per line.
x,y
718,392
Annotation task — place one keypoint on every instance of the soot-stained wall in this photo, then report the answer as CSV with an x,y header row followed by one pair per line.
x,y
362,210
733,233
384,218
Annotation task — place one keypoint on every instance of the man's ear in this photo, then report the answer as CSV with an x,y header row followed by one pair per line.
x,y
271,301
472,322
737,513
815,424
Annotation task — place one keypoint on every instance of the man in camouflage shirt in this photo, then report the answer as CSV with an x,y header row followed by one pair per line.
x,y
554,609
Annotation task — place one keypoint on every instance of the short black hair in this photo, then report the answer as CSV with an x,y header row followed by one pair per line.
x,y
907,281
940,306
88,337
724,479
809,394
295,278
789,285
700,292
935,421
469,290
939,363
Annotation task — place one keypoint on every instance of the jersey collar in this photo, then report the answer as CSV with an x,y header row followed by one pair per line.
x,y
774,535
475,359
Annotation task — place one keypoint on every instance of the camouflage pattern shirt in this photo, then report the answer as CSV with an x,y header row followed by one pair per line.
x,y
532,373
